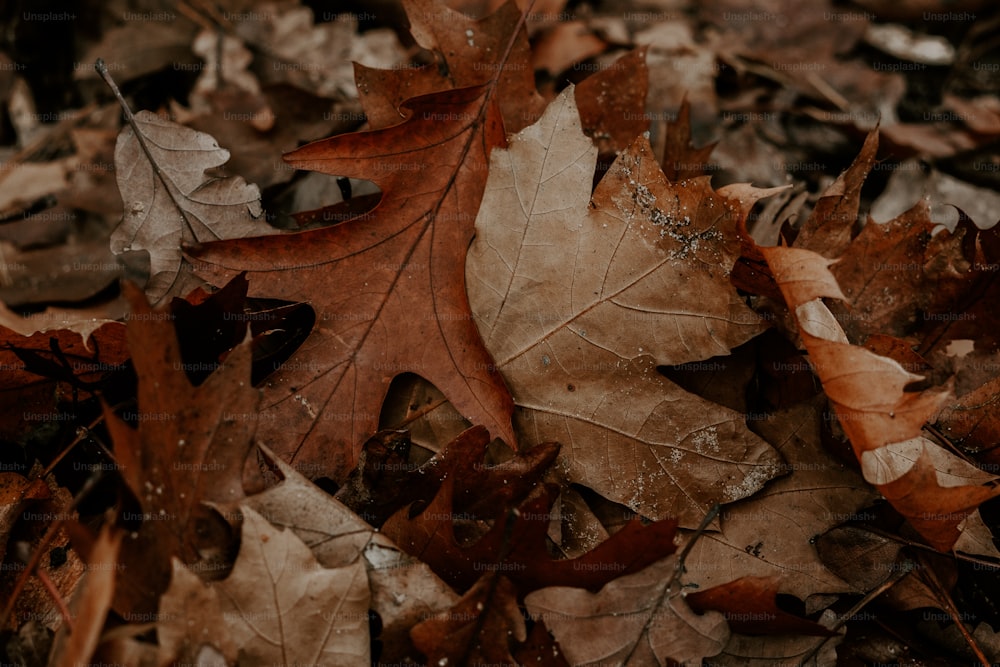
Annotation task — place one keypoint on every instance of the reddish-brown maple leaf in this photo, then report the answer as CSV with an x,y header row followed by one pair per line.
x,y
388,288
190,447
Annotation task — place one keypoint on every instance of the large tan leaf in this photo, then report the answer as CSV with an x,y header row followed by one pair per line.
x,y
404,590
633,621
279,606
934,489
578,304
169,199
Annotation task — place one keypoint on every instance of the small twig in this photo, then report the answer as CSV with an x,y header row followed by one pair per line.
x,y
904,569
427,409
43,544
102,69
679,566
931,579
678,571
25,557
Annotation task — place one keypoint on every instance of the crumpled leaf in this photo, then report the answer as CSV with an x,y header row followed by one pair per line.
x,y
934,489
579,304
279,605
396,269
174,201
633,620
385,480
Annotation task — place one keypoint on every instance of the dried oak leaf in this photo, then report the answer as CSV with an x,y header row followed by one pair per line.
x,y
477,630
403,590
579,303
385,481
830,226
278,606
770,534
750,606
169,199
469,52
934,489
190,448
634,620
388,288
901,278
681,160
516,544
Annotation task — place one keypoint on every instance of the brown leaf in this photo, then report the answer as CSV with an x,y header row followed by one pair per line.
x,y
830,227
138,47
749,605
171,200
771,533
633,620
681,160
934,489
189,448
515,545
403,590
612,103
578,333
477,630
278,606
564,44
385,480
902,278
90,604
973,422
189,618
469,53
397,269
35,364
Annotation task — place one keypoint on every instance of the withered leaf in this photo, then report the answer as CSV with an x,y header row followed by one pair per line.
x,y
189,448
278,605
515,545
388,288
477,630
470,53
172,201
579,304
633,621
934,489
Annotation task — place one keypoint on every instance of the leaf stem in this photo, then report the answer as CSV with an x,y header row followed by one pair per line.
x,y
713,512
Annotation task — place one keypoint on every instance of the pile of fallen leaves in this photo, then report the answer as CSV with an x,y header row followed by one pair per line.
x,y
524,371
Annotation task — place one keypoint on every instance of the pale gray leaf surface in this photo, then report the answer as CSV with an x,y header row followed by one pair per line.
x,y
181,204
